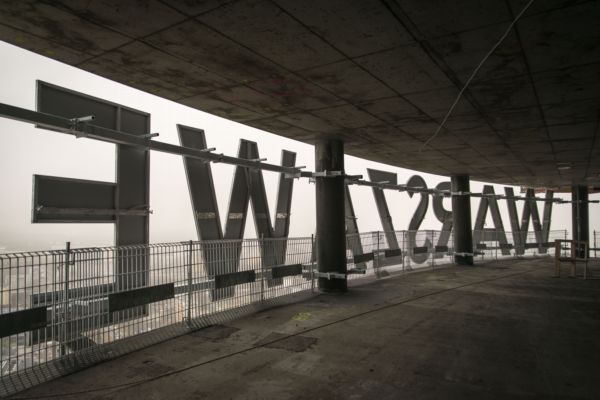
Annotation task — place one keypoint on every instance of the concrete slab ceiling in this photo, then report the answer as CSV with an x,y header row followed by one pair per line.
x,y
379,74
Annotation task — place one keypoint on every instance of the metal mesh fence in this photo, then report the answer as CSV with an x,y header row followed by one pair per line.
x,y
63,310
498,245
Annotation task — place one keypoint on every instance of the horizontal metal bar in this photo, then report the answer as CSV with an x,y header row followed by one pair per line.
x,y
234,278
281,271
91,131
22,321
360,258
88,130
392,253
420,250
139,297
90,211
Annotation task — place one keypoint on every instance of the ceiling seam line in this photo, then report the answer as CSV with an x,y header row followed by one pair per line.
x,y
425,46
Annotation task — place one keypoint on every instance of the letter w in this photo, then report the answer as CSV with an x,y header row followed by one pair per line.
x,y
530,212
248,185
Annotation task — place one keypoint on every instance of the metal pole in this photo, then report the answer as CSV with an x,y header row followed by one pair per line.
x,y
496,246
433,253
377,258
585,265
63,347
312,263
262,270
190,265
88,130
408,251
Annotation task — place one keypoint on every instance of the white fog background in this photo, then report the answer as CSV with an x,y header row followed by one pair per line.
x,y
25,150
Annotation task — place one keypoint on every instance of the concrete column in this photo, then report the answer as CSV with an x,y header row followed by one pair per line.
x,y
580,215
331,217
461,220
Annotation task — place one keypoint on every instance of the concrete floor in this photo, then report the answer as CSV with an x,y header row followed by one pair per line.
x,y
501,330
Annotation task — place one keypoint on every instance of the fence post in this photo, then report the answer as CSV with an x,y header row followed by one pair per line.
x,y
595,246
261,248
433,253
496,246
63,347
408,251
312,263
377,257
190,265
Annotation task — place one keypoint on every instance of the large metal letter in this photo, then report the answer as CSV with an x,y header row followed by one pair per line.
x,y
352,233
381,203
530,211
247,185
417,181
497,234
129,208
124,203
444,216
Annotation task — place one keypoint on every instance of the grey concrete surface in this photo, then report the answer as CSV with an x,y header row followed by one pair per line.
x,y
500,330
377,74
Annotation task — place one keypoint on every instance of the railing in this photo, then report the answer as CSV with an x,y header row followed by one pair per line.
x,y
63,310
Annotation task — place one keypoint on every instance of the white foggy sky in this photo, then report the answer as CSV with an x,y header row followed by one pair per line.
x,y
25,150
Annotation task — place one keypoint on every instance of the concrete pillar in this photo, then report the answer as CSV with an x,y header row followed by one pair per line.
x,y
461,220
331,217
580,215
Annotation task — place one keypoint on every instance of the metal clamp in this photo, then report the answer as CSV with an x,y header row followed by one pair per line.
x,y
330,275
76,125
460,193
326,174
464,254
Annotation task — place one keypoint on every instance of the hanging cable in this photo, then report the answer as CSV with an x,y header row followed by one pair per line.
x,y
489,53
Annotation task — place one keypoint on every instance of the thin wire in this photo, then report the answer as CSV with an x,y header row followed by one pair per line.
x,y
130,384
489,53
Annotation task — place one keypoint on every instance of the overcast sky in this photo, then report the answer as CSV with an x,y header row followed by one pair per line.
x,y
25,150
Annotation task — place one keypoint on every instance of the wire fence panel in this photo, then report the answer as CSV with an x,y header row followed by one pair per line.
x,y
63,310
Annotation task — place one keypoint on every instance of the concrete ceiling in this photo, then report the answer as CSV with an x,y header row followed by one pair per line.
x,y
378,74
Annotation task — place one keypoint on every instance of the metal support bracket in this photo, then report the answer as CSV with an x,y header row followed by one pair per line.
x,y
361,271
353,177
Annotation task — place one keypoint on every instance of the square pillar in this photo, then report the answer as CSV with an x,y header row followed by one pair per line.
x,y
331,216
461,220
580,215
